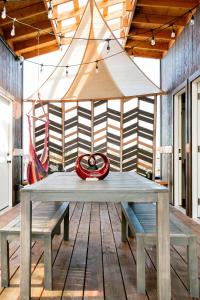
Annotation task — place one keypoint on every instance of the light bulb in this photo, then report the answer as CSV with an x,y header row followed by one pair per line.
x,y
12,33
3,14
67,73
108,46
153,42
192,21
50,10
173,34
21,60
97,67
60,41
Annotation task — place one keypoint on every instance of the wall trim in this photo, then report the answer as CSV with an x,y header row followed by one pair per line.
x,y
6,95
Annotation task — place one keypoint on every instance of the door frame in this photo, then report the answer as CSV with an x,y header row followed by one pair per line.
x,y
9,98
194,104
176,100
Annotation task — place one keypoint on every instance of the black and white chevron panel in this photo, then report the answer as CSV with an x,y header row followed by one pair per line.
x,y
55,137
124,130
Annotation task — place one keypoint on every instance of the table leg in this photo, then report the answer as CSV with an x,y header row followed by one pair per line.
x,y
25,240
163,248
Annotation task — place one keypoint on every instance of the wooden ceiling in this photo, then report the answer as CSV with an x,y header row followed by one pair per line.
x,y
132,18
157,18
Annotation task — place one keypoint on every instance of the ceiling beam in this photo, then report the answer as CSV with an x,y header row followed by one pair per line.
x,y
145,53
159,20
74,13
32,44
24,13
141,33
44,50
25,32
187,4
147,45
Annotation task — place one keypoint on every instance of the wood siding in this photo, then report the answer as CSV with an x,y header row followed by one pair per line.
x,y
181,62
11,80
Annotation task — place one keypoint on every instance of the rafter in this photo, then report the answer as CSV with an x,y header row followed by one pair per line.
x,y
168,3
147,45
159,20
145,53
23,32
44,50
141,33
32,44
25,13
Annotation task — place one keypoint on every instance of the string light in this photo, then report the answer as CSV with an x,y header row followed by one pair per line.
x,y
173,33
12,33
67,72
3,14
108,45
97,67
50,9
21,60
41,67
192,21
152,39
60,41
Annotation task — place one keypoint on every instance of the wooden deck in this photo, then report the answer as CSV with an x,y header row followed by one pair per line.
x,y
94,264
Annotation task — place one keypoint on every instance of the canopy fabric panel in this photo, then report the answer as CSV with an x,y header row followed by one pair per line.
x,y
118,76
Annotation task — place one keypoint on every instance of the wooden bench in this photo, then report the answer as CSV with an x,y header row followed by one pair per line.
x,y
140,220
47,218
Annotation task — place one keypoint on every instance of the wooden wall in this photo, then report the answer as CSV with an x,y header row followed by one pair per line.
x,y
181,62
11,80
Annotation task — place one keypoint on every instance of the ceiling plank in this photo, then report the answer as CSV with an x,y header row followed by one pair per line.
x,y
74,13
159,20
147,45
32,44
145,53
141,33
167,3
44,50
25,32
24,13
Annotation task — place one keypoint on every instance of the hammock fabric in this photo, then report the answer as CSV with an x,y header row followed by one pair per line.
x,y
37,167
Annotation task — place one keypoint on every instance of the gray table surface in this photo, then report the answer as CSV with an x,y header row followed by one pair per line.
x,y
116,187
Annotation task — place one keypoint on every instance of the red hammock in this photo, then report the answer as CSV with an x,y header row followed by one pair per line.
x,y
37,167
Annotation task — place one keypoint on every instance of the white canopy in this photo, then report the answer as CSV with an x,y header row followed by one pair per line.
x,y
117,77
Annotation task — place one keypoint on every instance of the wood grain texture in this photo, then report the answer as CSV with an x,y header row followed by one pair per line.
x,y
181,62
63,250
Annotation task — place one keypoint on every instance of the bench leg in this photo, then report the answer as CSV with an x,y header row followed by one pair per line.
x,y
48,263
58,229
140,254
130,234
193,267
66,226
124,228
5,269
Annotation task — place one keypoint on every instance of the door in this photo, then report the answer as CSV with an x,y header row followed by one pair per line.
x,y
179,150
5,153
198,149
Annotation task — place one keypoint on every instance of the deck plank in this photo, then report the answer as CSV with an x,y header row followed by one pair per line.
x,y
113,281
94,285
74,285
94,264
126,258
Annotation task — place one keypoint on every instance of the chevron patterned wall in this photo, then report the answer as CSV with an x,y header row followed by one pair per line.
x,y
122,129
